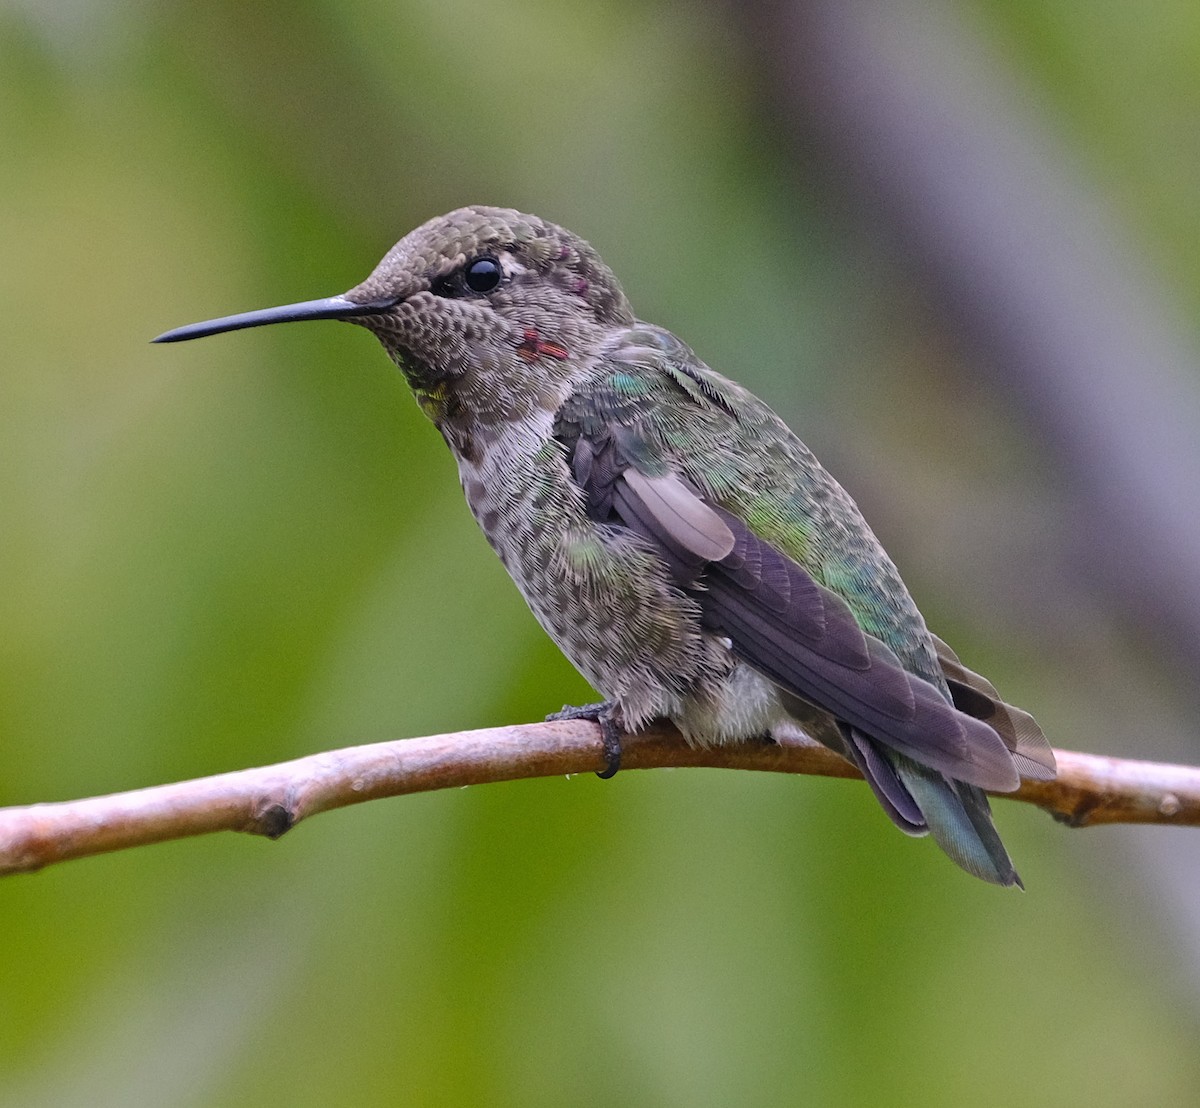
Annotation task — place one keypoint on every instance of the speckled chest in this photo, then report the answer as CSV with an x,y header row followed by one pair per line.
x,y
521,492
599,592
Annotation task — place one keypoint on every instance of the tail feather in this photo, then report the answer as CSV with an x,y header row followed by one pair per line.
x,y
975,695
880,774
960,821
918,799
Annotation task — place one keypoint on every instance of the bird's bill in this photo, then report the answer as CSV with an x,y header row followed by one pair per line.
x,y
331,307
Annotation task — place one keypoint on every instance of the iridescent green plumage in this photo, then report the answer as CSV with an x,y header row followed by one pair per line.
x,y
670,532
673,415
738,453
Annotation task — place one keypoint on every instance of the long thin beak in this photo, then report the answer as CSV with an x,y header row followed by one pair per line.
x,y
332,307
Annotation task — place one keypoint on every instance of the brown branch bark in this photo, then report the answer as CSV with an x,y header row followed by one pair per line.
x,y
1090,789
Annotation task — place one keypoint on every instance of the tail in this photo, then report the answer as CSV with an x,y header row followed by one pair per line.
x,y
960,820
977,696
920,799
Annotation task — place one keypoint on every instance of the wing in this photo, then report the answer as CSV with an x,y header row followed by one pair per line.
x,y
634,434
803,636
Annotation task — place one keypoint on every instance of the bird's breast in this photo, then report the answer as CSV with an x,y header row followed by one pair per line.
x,y
517,483
597,589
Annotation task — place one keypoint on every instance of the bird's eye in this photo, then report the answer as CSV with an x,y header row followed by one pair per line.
x,y
483,274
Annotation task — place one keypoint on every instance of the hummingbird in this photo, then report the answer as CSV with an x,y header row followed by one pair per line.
x,y
676,539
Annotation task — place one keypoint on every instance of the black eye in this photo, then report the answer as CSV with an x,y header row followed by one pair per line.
x,y
483,274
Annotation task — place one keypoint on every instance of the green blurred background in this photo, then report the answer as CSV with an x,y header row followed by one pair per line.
x,y
248,549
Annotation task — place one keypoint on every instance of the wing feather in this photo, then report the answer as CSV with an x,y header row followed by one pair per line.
x,y
805,637
682,515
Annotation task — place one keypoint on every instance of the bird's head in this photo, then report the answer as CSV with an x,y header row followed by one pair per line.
x,y
486,310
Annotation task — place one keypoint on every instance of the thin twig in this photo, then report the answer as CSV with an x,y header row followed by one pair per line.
x,y
268,801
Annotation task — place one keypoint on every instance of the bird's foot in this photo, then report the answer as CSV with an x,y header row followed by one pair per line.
x,y
610,734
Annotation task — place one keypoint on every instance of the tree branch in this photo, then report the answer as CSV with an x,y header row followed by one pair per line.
x,y
1090,789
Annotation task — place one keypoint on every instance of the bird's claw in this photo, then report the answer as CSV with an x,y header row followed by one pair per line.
x,y
610,733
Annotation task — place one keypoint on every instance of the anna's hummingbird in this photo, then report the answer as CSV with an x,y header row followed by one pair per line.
x,y
677,540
